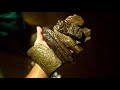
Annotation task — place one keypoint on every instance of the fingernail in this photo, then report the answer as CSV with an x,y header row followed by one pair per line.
x,y
39,29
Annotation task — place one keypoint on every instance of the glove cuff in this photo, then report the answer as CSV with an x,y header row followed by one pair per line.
x,y
45,57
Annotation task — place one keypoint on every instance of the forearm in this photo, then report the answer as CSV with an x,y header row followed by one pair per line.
x,y
37,72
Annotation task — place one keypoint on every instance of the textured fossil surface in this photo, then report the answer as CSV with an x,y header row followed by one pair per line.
x,y
71,26
62,52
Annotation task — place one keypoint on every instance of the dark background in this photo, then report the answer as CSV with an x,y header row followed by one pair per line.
x,y
100,55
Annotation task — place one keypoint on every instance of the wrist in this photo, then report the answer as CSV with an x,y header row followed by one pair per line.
x,y
40,71
37,72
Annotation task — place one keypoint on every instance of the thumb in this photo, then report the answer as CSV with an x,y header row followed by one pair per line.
x,y
39,38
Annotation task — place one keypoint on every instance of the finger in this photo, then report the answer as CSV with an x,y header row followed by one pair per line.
x,y
39,38
39,33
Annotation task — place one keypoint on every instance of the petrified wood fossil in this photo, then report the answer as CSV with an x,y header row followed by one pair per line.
x,y
64,42
71,26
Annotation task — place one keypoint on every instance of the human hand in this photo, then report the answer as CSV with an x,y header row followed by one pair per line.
x,y
43,55
39,38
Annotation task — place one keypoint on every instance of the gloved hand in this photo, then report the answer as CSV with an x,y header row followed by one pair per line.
x,y
43,55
